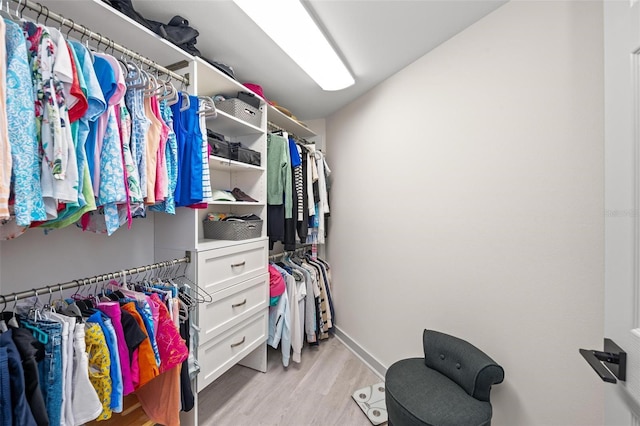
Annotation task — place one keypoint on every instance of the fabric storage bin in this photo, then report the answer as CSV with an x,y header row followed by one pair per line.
x,y
231,229
243,154
240,110
234,151
220,148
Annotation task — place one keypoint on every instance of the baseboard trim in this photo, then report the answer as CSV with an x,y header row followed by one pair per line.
x,y
373,364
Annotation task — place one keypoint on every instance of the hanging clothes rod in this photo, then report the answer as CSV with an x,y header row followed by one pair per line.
x,y
92,280
272,127
290,252
68,23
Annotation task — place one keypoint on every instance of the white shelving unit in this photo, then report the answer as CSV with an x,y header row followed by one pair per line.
x,y
289,124
223,164
227,124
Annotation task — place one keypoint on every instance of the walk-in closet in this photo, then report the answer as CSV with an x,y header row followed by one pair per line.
x,y
198,227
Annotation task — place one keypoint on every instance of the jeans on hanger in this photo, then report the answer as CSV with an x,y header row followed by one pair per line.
x,y
13,402
50,370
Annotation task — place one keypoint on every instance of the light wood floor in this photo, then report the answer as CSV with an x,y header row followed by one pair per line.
x,y
315,392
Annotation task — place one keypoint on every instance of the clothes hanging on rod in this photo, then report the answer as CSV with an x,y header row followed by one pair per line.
x,y
318,185
300,308
97,140
297,191
125,337
274,128
70,25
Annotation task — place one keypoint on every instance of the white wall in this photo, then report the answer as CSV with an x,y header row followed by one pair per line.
x,y
468,198
36,260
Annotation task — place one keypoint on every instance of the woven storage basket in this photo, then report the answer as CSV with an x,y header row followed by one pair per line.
x,y
231,230
241,110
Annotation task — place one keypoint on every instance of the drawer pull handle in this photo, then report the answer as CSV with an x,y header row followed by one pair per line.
x,y
237,305
237,265
233,345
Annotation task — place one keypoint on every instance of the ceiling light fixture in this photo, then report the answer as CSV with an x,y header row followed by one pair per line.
x,y
289,24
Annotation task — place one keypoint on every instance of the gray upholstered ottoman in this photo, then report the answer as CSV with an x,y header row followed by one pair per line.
x,y
449,387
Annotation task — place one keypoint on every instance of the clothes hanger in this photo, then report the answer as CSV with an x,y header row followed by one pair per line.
x,y
15,17
13,322
172,96
46,16
69,27
47,306
135,78
39,14
152,85
84,38
58,304
3,324
38,333
186,101
183,314
99,43
24,5
6,13
161,86
194,287
208,107
71,309
112,44
168,89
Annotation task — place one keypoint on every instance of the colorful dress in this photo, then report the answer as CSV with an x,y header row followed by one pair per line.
x,y
29,205
5,148
171,154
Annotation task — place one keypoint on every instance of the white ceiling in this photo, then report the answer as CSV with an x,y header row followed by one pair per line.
x,y
375,38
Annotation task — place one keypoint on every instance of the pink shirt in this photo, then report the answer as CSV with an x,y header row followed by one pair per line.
x,y
173,349
162,174
112,310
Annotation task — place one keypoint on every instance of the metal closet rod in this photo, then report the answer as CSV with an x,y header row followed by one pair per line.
x,y
68,23
92,280
289,252
275,128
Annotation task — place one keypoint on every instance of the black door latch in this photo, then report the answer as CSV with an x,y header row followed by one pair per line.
x,y
610,363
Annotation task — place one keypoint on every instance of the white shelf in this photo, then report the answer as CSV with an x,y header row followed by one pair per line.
x,y
229,125
212,81
287,123
101,18
224,164
205,244
235,203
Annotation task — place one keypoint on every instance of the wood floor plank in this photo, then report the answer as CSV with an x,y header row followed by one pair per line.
x,y
315,392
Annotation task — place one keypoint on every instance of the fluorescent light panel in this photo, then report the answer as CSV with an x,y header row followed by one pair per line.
x,y
289,25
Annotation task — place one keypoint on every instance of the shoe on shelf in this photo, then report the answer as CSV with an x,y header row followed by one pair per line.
x,y
241,196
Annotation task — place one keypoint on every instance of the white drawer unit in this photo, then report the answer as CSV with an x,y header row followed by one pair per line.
x,y
223,267
233,305
234,325
222,352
